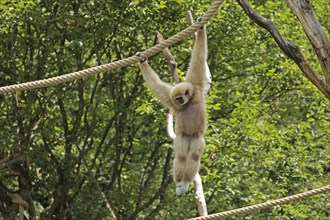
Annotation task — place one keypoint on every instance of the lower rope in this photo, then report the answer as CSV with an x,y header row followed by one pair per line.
x,y
265,205
117,64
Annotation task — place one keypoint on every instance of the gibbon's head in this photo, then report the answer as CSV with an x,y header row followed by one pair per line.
x,y
182,93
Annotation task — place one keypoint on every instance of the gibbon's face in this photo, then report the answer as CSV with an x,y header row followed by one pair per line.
x,y
182,93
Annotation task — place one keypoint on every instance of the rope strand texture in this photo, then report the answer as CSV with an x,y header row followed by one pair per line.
x,y
117,64
265,205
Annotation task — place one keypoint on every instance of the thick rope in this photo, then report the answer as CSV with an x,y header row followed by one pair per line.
x,y
117,64
265,205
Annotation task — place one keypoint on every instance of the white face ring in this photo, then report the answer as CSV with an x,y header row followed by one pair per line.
x,y
181,100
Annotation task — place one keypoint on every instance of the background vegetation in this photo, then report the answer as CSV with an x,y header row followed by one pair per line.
x,y
268,126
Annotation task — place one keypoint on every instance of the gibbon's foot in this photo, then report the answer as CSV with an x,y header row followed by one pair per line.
x,y
138,54
181,188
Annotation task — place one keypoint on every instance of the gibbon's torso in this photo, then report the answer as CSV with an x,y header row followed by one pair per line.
x,y
190,120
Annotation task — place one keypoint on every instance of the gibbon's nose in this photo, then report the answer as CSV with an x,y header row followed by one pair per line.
x,y
179,100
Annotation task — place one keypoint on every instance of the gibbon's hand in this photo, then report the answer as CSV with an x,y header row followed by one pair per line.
x,y
199,19
138,54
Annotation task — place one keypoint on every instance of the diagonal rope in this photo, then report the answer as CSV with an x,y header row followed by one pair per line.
x,y
117,64
265,205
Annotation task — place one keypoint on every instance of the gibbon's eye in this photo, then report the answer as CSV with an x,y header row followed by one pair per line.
x,y
181,100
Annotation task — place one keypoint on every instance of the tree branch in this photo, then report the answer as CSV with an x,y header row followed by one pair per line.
x,y
190,21
288,47
199,196
172,64
11,159
315,33
96,185
170,59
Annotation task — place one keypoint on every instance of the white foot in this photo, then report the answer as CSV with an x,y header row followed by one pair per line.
x,y
181,188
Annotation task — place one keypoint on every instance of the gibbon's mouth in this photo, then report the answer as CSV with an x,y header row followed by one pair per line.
x,y
181,100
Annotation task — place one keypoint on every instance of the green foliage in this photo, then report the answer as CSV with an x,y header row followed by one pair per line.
x,y
268,126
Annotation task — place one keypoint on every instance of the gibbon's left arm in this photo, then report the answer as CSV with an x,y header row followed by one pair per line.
x,y
158,87
198,64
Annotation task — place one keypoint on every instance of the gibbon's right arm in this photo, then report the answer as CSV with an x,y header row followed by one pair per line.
x,y
197,69
158,87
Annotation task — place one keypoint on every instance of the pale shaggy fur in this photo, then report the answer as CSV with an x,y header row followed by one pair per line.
x,y
187,101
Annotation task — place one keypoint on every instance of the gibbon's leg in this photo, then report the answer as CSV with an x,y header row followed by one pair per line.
x,y
188,151
197,70
197,146
181,148
160,89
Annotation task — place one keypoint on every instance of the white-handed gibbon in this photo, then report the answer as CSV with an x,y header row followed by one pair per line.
x,y
187,101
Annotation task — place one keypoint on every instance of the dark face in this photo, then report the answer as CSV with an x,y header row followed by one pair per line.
x,y
179,100
182,99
